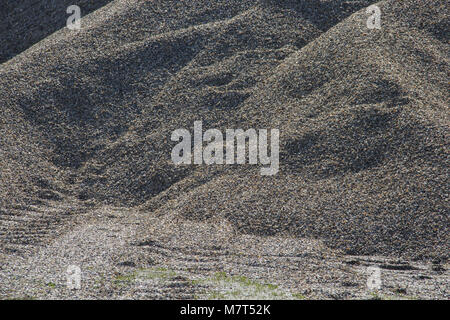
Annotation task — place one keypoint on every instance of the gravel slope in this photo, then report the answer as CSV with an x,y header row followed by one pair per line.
x,y
363,116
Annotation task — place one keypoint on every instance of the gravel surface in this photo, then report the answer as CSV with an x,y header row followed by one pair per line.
x,y
87,179
26,22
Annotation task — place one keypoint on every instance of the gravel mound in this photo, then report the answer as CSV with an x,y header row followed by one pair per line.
x,y
363,118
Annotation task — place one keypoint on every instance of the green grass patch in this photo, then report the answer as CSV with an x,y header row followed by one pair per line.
x,y
298,296
225,287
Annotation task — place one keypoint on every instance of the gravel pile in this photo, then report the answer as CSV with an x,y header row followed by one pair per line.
x,y
363,119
